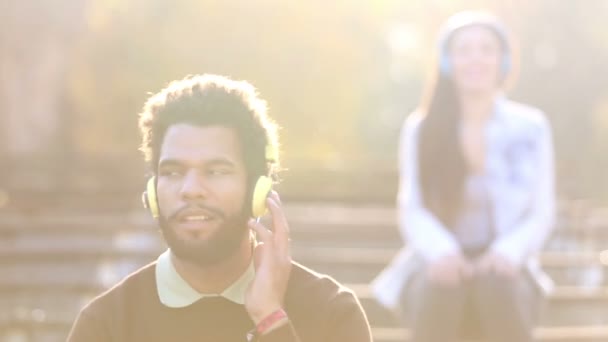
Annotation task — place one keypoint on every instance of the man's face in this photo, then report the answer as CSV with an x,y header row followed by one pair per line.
x,y
202,185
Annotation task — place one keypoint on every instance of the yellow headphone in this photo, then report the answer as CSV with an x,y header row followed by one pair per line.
x,y
262,188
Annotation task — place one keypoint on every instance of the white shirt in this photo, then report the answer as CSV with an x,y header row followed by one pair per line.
x,y
520,180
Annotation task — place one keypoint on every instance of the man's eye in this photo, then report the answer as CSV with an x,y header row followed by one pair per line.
x,y
219,172
170,173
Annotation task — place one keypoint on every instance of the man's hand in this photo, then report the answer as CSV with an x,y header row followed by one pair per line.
x,y
272,260
450,270
495,263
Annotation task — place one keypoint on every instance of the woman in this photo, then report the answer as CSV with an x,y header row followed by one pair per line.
x,y
476,196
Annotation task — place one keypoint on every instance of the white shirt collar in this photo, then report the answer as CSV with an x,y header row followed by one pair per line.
x,y
175,292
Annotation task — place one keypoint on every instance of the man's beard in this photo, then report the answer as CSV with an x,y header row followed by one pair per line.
x,y
223,243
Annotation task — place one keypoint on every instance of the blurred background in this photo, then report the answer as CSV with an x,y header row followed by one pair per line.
x,y
340,77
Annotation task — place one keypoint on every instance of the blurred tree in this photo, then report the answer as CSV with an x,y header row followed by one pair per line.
x,y
340,76
309,64
36,38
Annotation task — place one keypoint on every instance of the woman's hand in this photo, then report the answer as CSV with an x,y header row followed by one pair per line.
x,y
495,263
450,270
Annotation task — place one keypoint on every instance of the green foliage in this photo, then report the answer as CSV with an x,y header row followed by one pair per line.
x,y
328,69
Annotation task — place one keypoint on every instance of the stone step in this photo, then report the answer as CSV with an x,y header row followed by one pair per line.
x,y
40,312
587,333
143,243
43,310
345,264
53,308
564,306
28,332
100,273
92,274
363,264
588,275
105,247
567,305
146,245
50,333
313,217
138,229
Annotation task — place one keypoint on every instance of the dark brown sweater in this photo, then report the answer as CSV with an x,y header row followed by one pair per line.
x,y
319,310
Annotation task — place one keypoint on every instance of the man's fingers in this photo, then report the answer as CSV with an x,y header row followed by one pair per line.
x,y
263,234
279,221
275,196
258,255
280,230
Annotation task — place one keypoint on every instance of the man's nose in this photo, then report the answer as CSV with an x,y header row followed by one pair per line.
x,y
193,186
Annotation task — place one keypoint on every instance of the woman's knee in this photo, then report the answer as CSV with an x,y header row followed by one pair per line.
x,y
497,289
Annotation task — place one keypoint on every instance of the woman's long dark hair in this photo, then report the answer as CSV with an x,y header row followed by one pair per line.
x,y
441,163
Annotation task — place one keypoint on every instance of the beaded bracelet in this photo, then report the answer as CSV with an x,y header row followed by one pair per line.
x,y
263,326
269,321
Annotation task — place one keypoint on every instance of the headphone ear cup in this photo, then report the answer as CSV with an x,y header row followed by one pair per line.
x,y
262,188
149,198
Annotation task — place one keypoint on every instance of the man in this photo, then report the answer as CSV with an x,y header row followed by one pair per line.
x,y
225,277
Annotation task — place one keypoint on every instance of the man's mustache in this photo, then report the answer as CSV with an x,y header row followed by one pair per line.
x,y
213,211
